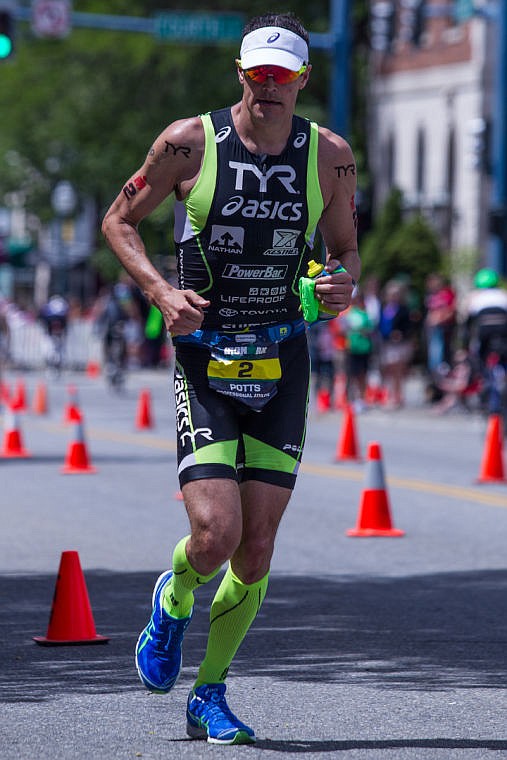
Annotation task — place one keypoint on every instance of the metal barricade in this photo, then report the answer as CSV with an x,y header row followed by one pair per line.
x,y
29,345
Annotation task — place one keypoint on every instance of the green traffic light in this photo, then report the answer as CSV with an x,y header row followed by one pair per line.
x,y
5,46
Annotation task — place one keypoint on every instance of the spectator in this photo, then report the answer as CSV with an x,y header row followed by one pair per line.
x,y
359,345
397,346
439,322
485,328
322,356
456,383
4,338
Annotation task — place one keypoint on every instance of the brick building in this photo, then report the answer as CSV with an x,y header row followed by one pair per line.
x,y
431,101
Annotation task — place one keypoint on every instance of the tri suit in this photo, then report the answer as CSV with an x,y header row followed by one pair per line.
x,y
244,236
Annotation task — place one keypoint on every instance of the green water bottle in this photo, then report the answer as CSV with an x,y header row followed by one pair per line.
x,y
311,307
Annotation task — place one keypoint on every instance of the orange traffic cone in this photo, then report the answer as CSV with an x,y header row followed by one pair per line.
x,y
71,619
374,517
492,469
144,417
18,400
347,447
77,459
13,444
72,412
93,368
5,393
40,399
323,401
370,394
340,391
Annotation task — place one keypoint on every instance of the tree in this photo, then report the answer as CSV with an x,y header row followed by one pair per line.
x,y
401,247
93,102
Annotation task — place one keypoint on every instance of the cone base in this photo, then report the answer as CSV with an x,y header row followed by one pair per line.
x,y
69,470
44,641
23,454
490,479
370,532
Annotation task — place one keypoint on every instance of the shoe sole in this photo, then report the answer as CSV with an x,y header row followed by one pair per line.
x,y
162,578
198,732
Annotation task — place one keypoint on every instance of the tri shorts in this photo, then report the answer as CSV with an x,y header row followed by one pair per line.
x,y
221,437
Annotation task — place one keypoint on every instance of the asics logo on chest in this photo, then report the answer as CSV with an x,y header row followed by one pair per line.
x,y
283,173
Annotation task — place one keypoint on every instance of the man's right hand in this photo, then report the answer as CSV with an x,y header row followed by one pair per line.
x,y
183,311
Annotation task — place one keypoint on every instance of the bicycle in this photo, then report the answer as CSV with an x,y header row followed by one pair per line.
x,y
115,350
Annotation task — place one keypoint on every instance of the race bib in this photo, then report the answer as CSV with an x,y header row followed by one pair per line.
x,y
247,371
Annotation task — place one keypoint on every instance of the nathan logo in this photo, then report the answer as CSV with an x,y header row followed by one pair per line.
x,y
282,173
226,239
249,272
284,243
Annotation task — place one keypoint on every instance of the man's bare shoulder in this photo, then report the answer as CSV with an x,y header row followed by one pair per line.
x,y
181,140
335,153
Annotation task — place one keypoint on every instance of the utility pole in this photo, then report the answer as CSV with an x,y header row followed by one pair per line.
x,y
339,97
497,255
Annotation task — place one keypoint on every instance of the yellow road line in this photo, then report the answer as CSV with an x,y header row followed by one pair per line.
x,y
412,484
338,471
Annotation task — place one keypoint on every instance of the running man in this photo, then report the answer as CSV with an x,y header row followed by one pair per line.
x,y
252,183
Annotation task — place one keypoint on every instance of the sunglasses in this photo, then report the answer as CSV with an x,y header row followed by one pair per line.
x,y
260,74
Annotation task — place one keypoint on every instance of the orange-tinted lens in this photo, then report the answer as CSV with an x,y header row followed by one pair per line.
x,y
280,75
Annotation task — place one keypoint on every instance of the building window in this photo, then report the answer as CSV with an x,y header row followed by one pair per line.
x,y
390,159
412,21
450,169
450,187
420,163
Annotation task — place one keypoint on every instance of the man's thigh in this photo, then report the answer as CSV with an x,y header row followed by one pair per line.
x,y
219,437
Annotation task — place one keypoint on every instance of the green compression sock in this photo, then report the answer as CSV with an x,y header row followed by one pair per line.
x,y
178,595
233,611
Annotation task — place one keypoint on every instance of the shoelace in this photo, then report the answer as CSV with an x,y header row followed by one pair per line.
x,y
165,632
218,707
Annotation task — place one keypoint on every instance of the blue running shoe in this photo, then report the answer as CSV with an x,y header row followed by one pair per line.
x,y
158,649
209,717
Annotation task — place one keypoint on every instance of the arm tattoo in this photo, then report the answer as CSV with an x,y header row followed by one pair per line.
x,y
177,148
137,184
343,170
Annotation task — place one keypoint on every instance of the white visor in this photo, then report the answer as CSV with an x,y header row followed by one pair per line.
x,y
273,46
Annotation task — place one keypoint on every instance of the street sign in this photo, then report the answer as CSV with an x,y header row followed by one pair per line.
x,y
51,18
198,26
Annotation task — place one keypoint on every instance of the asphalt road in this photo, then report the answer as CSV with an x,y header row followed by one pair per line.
x,y
364,647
